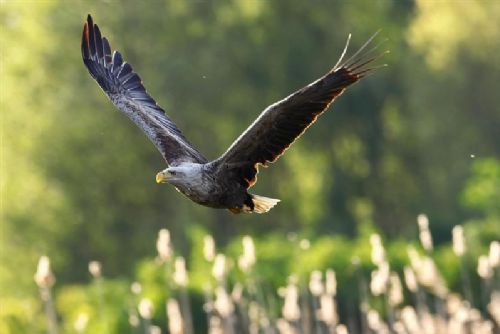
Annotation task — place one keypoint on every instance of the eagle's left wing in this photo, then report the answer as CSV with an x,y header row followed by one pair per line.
x,y
280,124
124,87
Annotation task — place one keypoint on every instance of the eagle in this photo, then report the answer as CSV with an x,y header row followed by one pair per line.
x,y
222,183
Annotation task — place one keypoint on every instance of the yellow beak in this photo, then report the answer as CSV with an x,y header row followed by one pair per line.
x,y
161,177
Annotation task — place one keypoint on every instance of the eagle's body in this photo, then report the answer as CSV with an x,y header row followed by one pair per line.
x,y
202,184
215,185
221,183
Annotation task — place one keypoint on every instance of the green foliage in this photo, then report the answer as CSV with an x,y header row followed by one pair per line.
x,y
106,304
109,303
19,315
483,188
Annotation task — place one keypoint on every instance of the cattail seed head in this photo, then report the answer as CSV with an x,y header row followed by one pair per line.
x,y
247,259
483,267
133,320
331,282
453,303
494,306
427,273
315,283
136,288
410,279
215,326
474,314
180,274
243,264
249,249
395,290
81,322
494,255
219,268
43,276
376,285
304,244
209,248
428,322
459,247
373,319
425,234
341,329
146,308
291,309
175,324
95,269
399,327
462,314
375,322
223,303
415,259
378,251
284,327
327,311
208,306
423,221
410,319
237,292
153,329
379,279
163,245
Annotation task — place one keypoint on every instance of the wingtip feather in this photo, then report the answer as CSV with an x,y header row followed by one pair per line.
x,y
85,41
90,21
357,63
343,52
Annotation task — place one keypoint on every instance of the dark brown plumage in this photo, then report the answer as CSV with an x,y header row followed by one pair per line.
x,y
221,183
283,122
124,88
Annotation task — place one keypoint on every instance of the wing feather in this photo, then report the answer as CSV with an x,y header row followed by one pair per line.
x,y
125,89
280,124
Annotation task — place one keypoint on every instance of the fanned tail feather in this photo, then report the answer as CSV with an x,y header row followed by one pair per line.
x,y
263,204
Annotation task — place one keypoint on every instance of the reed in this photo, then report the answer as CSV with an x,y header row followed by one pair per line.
x,y
416,300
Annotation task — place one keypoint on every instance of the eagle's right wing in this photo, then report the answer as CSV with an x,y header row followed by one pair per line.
x,y
124,87
280,124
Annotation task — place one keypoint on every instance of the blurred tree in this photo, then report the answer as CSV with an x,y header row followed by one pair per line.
x,y
482,191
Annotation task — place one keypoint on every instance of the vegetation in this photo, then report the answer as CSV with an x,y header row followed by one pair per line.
x,y
238,294
78,184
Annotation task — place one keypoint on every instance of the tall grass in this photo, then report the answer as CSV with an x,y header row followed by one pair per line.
x,y
416,300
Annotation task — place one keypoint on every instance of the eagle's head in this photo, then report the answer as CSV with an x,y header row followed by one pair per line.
x,y
169,175
179,175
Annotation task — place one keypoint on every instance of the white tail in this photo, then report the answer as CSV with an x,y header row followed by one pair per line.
x,y
263,204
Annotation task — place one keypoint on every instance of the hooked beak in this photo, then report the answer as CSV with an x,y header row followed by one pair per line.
x,y
161,177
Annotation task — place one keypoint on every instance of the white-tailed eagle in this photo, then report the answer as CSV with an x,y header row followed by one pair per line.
x,y
221,183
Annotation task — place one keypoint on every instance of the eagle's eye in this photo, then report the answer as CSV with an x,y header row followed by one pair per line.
x,y
173,173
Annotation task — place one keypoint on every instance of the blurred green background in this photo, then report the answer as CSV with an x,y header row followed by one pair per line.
x,y
422,135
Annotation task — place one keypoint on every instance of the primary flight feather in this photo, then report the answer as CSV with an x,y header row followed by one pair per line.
x,y
221,183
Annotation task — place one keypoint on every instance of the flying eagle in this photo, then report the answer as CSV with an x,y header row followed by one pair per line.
x,y
221,183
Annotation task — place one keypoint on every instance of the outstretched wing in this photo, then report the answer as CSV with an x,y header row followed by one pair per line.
x,y
280,124
124,88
